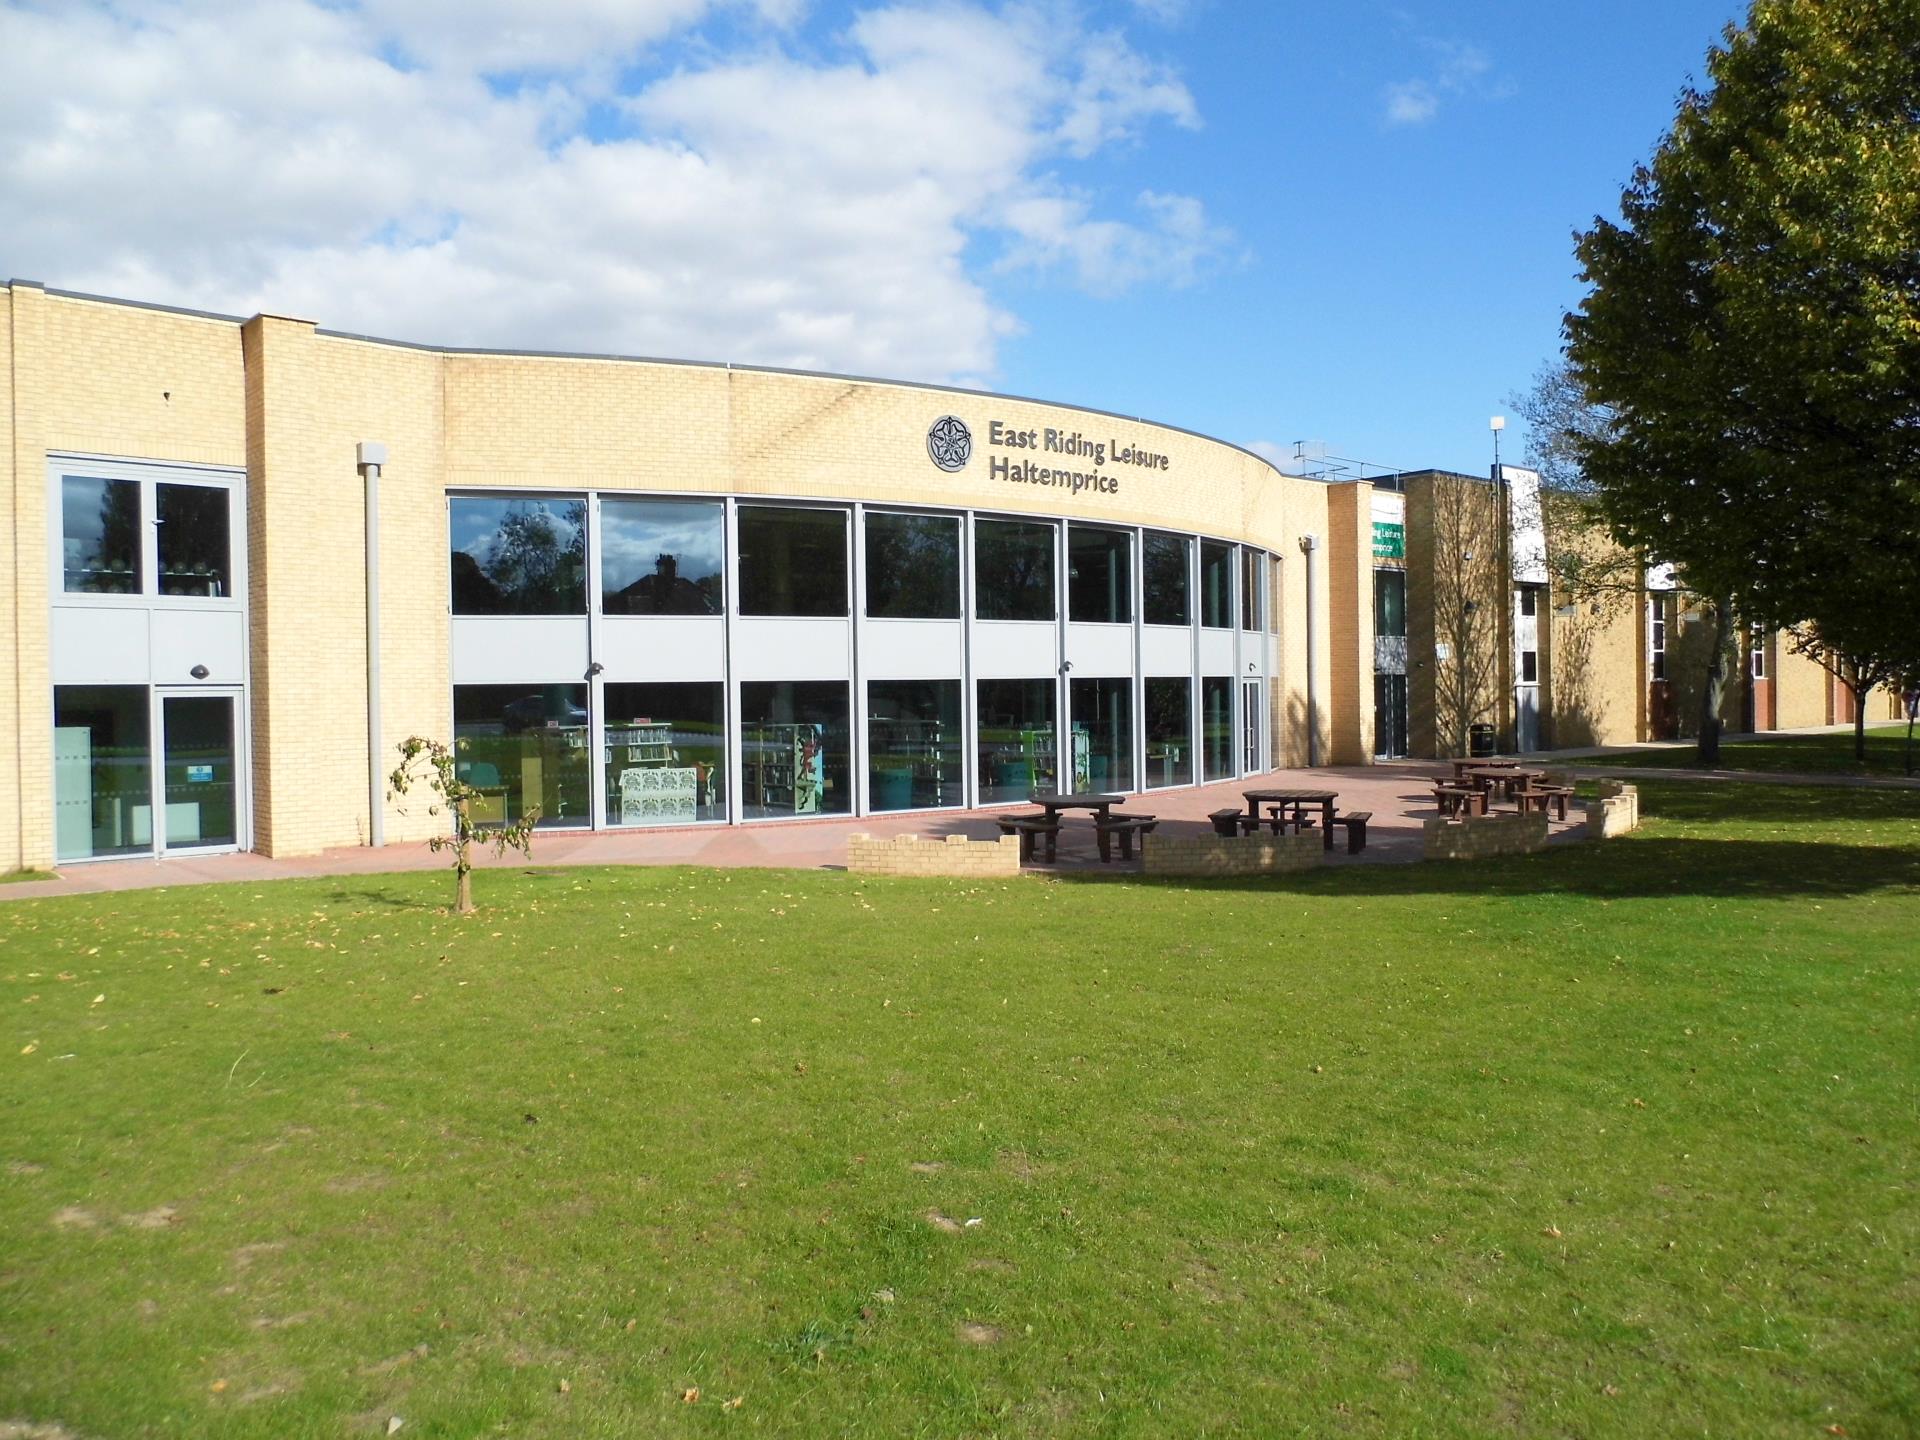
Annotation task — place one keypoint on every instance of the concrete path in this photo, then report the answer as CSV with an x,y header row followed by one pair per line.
x,y
1398,795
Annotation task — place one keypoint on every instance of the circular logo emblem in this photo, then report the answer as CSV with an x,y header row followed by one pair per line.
x,y
950,443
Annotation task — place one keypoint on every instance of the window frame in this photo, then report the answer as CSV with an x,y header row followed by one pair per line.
x,y
149,475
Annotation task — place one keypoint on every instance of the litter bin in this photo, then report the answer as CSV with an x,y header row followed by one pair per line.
x,y
1479,741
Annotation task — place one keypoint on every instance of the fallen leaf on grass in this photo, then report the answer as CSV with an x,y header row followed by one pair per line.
x,y
1552,1232
734,1404
690,1395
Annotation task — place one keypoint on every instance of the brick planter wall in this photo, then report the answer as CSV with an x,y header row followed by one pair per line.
x,y
1616,812
953,855
1479,837
1229,855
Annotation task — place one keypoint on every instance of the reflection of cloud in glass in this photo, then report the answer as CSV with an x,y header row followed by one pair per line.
x,y
634,534
475,522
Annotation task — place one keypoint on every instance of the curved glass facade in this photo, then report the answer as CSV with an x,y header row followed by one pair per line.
x,y
631,659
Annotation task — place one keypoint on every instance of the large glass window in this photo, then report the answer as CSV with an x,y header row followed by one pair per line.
x,y
1389,603
1013,570
1019,748
1169,731
99,536
1103,735
662,557
1216,727
1099,574
194,540
666,753
524,747
1253,571
102,771
518,556
1216,585
913,744
1164,563
796,748
793,561
913,567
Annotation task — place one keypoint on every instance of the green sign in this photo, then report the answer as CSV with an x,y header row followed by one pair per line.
x,y
1389,540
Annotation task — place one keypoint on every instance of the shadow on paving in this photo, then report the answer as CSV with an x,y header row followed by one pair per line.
x,y
1643,868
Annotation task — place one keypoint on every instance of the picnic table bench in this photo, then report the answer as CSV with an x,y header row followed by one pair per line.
x,y
1451,799
1541,797
1116,825
1030,826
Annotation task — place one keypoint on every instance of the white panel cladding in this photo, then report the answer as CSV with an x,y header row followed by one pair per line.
x,y
512,649
1100,650
790,648
1166,650
1387,507
1015,649
1390,654
911,649
662,647
183,639
1216,652
1528,540
100,646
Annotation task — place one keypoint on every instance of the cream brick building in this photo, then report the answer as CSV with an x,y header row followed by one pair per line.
x,y
633,592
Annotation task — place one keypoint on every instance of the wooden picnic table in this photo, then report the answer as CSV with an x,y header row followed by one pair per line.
x,y
1511,777
1461,767
1053,804
1280,799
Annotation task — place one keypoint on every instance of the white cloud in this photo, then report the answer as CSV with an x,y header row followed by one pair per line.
x,y
369,166
1454,69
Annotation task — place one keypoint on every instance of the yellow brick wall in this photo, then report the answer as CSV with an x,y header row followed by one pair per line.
x,y
1230,854
12,605
95,378
1800,688
950,855
1349,556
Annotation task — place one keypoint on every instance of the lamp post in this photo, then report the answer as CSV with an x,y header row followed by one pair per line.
x,y
1503,628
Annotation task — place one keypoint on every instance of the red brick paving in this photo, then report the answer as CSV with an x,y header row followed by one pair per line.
x,y
1397,795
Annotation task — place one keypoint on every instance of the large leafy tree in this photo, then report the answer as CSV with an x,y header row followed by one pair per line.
x,y
1753,329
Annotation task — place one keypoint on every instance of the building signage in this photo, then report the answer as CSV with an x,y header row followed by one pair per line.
x,y
950,446
950,443
1389,540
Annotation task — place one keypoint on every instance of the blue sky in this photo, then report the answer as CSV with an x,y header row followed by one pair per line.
x,y
1348,224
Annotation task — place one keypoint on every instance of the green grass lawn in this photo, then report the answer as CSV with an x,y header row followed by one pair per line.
x,y
1617,1140
1828,753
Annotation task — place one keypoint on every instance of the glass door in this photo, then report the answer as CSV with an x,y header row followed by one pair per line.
x,y
201,796
1250,728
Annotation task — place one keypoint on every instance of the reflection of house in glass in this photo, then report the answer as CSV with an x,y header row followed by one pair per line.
x,y
666,592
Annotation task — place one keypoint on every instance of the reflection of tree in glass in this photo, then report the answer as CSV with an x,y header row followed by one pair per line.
x,y
913,567
1015,564
537,560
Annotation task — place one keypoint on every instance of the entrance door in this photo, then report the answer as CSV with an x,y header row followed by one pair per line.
x,y
1250,709
199,789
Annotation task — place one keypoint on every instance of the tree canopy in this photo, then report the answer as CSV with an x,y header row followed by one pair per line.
x,y
1752,328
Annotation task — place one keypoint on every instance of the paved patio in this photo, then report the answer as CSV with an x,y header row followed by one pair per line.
x,y
1397,794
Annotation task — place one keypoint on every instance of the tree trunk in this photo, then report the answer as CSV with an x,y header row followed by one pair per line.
x,y
1711,692
463,897
1859,719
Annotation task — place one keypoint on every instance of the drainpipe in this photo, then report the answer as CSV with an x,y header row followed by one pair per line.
x,y
1310,547
371,455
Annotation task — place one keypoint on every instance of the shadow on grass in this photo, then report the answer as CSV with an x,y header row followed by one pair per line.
x,y
387,898
1716,802
1642,868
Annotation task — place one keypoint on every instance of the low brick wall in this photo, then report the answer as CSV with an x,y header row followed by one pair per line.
x,y
952,855
1260,854
1480,837
1616,812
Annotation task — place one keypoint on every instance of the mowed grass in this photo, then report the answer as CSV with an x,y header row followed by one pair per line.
x,y
1827,753
1615,1140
